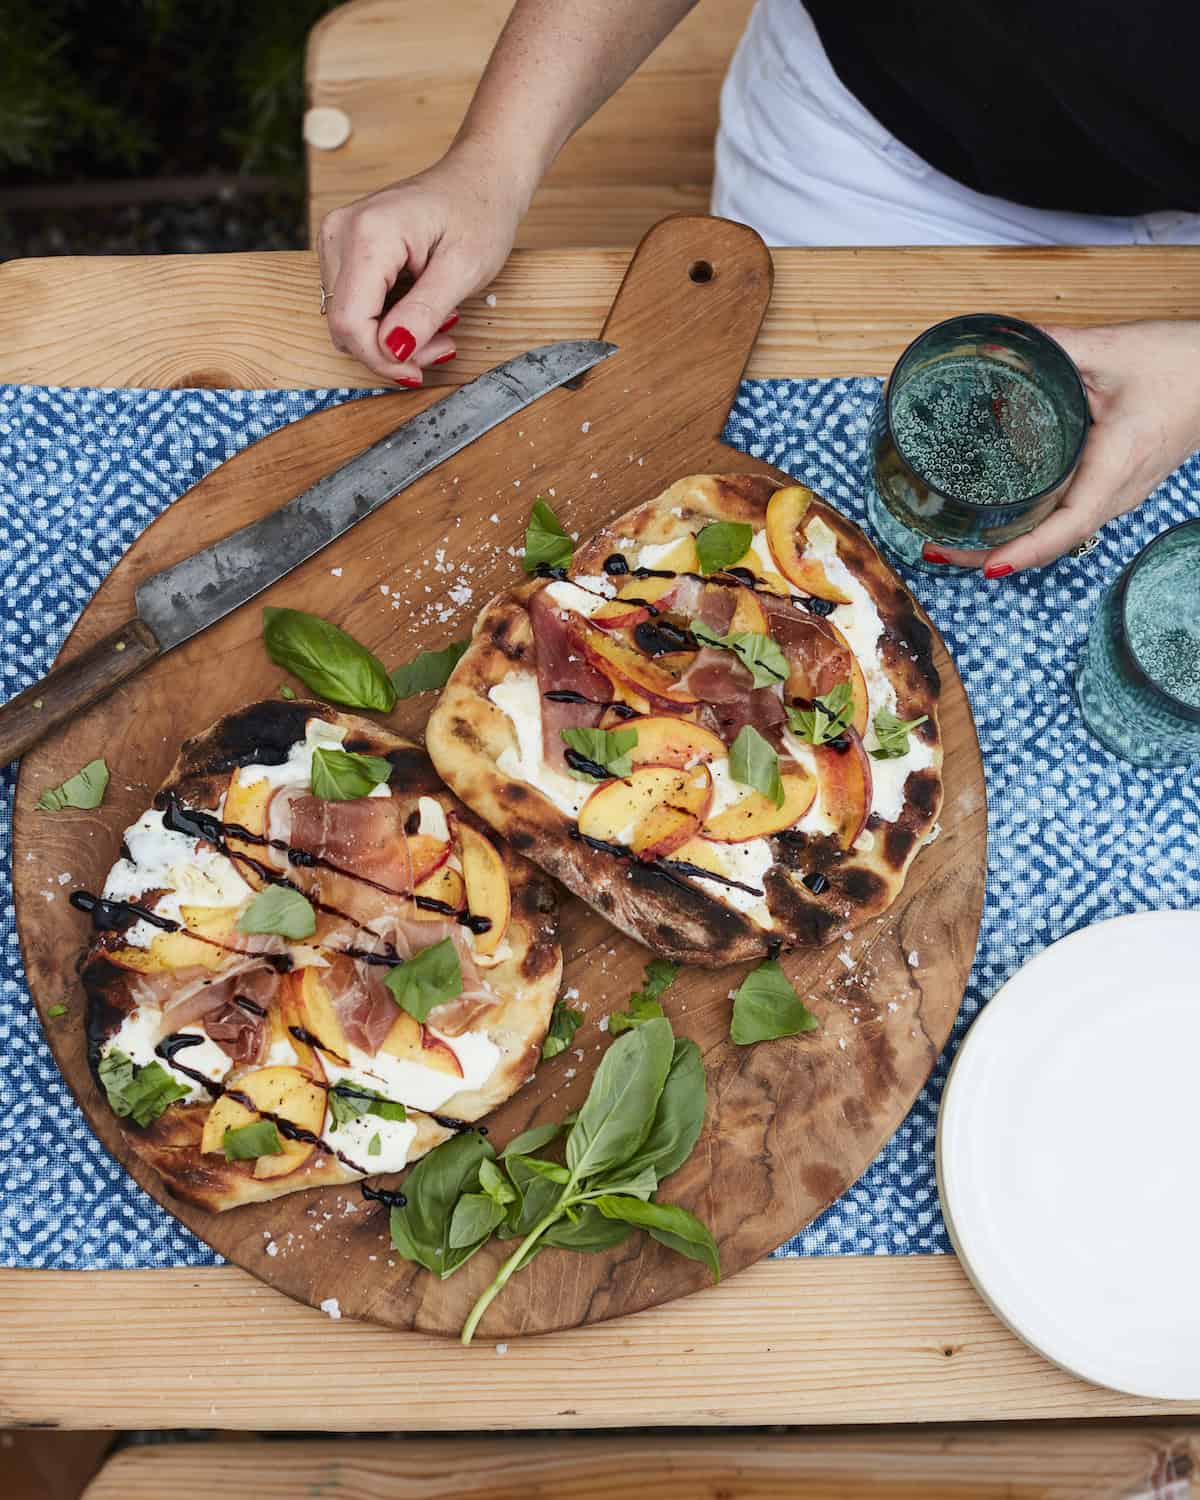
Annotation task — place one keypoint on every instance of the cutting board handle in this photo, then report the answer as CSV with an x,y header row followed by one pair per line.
x,y
690,305
74,686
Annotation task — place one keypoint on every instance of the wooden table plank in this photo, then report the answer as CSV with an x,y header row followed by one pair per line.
x,y
939,1464
795,1341
252,320
815,1341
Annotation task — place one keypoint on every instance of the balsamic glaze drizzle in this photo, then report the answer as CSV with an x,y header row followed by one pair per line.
x,y
569,695
585,766
391,1196
670,869
116,916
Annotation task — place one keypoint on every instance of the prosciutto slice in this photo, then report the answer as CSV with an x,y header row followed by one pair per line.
x,y
726,687
364,1005
213,998
818,660
363,837
562,667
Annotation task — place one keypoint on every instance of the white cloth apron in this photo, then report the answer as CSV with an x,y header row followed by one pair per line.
x,y
803,162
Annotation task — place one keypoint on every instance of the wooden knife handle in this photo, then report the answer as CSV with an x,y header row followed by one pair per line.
x,y
71,688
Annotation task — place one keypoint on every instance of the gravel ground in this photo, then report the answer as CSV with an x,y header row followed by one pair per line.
x,y
212,224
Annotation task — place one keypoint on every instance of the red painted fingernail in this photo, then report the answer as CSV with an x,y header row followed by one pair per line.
x,y
931,554
449,323
997,570
400,343
443,359
411,384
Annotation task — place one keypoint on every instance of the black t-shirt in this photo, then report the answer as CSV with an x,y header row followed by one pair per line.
x,y
1090,105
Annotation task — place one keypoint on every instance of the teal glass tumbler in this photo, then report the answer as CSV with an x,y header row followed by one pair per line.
x,y
1139,676
975,439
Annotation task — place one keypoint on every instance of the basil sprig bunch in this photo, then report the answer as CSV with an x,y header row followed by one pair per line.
x,y
639,1123
140,1093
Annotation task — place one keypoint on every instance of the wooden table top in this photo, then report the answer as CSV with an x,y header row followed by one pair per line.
x,y
801,1341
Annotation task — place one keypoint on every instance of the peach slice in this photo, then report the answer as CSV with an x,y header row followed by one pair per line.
x,y
652,811
701,852
445,885
288,1011
677,818
786,509
749,617
427,854
168,950
486,886
757,817
411,1042
667,741
845,778
246,807
316,1013
285,1093
620,661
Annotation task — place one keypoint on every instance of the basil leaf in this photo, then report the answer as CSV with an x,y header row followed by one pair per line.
x,y
249,1142
475,1216
754,763
375,1145
427,979
766,1006
421,1229
342,776
679,1117
642,1008
494,1183
892,734
760,653
671,1225
554,1170
529,1140
327,661
723,543
564,1023
546,543
140,1093
643,1004
56,1010
279,909
349,1101
286,692
637,1183
588,1234
85,789
428,670
618,1113
828,718
537,1194
608,749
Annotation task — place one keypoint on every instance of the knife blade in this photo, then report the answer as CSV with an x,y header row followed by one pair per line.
x,y
194,593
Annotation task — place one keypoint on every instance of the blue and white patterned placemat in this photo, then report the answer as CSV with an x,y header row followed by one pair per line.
x,y
1075,834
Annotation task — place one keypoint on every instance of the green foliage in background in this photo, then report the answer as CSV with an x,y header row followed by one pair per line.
x,y
152,87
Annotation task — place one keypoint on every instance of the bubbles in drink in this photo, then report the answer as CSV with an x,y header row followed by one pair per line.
x,y
1162,620
979,430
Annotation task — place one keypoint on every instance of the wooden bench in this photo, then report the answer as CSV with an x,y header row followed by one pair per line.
x,y
403,71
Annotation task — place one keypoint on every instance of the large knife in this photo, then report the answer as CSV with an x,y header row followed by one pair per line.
x,y
174,605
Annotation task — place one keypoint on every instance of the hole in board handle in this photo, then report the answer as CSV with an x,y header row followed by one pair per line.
x,y
701,271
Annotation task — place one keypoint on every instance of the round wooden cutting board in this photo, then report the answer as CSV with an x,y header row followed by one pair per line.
x,y
792,1123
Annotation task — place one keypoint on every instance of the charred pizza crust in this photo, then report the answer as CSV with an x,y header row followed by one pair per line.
x,y
678,918
526,975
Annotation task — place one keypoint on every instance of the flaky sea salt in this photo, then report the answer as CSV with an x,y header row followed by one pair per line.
x,y
337,572
501,1348
584,426
490,299
914,958
272,1248
331,1306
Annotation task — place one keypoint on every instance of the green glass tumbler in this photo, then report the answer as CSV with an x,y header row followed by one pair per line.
x,y
1139,677
976,437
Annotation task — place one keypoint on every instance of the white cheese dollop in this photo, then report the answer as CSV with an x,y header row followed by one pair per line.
x,y
412,1084
142,1028
190,872
585,595
355,1136
518,697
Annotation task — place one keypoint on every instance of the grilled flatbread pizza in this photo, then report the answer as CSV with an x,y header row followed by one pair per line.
x,y
311,962
719,728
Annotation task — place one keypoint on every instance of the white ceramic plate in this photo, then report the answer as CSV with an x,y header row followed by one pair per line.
x,y
1069,1154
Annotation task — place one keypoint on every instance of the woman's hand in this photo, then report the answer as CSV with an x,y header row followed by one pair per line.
x,y
1143,383
451,227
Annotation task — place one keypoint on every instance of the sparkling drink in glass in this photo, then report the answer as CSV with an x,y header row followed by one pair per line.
x,y
1139,678
976,437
